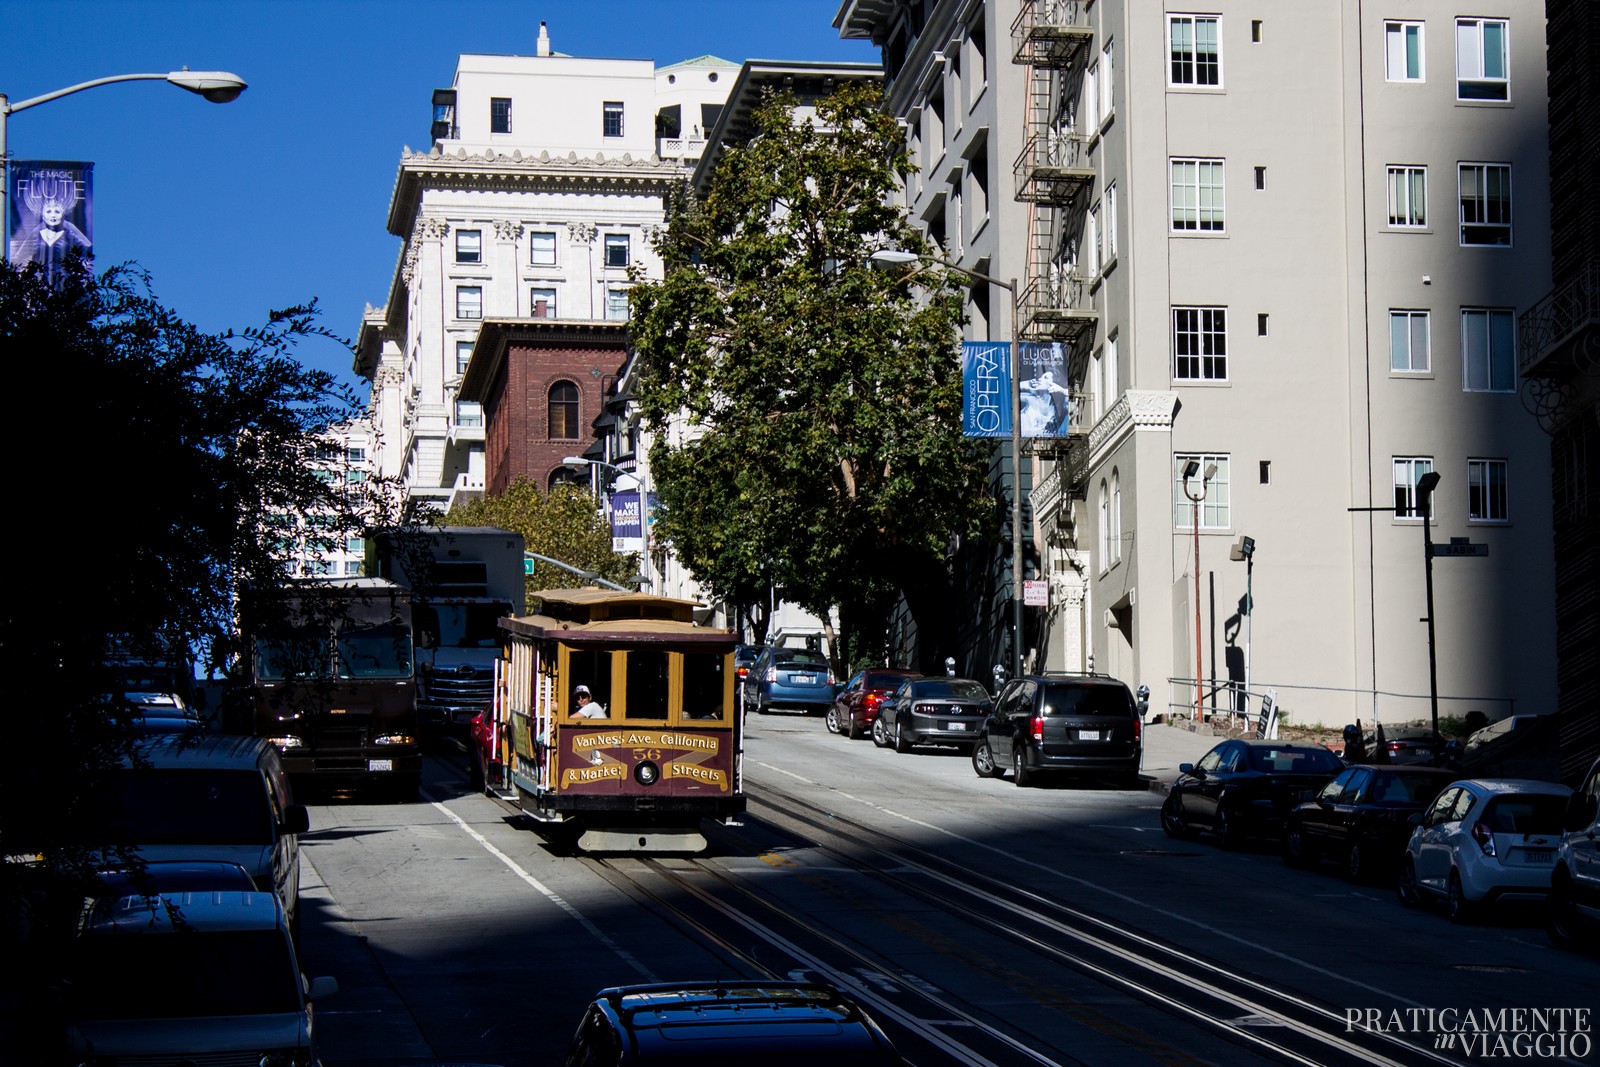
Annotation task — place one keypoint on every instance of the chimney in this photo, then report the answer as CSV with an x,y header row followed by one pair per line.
x,y
544,40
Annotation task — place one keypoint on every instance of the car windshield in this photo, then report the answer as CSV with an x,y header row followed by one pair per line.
x,y
1294,760
952,688
800,658
1533,813
1392,787
183,974
1087,700
191,807
375,652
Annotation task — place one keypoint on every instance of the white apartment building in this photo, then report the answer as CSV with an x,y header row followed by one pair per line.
x,y
1285,248
314,543
545,180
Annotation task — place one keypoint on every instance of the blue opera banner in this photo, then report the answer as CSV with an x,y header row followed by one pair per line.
x,y
1047,401
51,206
986,389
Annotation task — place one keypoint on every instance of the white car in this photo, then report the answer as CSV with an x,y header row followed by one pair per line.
x,y
1484,840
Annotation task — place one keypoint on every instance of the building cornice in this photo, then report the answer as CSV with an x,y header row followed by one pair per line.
x,y
1136,410
496,336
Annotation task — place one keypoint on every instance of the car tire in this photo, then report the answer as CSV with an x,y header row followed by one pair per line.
x,y
830,719
1296,853
902,740
880,733
1405,884
1457,906
1358,864
851,730
1172,822
983,760
1226,829
1562,922
1019,767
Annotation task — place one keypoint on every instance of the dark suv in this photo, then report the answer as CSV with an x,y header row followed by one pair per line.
x,y
728,1022
1081,724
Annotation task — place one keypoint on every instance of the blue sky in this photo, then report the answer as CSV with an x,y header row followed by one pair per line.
x,y
282,195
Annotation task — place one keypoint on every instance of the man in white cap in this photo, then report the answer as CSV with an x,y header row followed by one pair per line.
x,y
587,707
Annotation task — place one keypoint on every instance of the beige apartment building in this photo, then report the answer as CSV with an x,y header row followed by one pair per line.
x,y
1282,249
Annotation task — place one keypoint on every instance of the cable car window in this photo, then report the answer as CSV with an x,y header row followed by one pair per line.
x,y
702,686
592,668
647,684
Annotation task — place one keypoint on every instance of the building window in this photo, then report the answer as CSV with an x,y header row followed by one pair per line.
x,y
469,246
1196,49
563,411
1486,490
1108,219
1105,526
1093,244
352,568
1402,52
463,356
617,250
1261,324
355,546
617,304
542,303
499,114
1113,386
1485,203
1200,344
1408,196
542,248
1214,508
355,454
1408,470
1488,348
611,122
1482,66
1408,342
1116,514
1197,195
469,413
1107,82
469,302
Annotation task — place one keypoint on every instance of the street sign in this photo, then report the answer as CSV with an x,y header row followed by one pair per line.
x,y
1035,593
1459,548
527,565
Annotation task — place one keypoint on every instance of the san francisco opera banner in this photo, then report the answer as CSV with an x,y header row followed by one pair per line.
x,y
52,213
986,389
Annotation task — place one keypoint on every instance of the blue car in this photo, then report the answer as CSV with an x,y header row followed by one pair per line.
x,y
789,678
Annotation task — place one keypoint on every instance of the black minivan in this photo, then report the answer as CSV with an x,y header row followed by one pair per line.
x,y
1086,725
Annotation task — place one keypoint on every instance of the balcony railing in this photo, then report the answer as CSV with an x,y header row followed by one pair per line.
x,y
1055,305
1053,167
1051,33
1548,330
683,148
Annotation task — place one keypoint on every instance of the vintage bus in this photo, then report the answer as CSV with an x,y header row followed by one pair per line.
x,y
667,753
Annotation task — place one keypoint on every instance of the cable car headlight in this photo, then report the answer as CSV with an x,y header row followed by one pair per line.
x,y
646,772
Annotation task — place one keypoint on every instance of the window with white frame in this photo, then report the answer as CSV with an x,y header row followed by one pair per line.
x,y
463,356
1116,514
1408,196
1409,351
1488,350
469,413
542,303
352,568
1107,82
1105,525
1200,344
542,248
1485,203
1196,48
1197,201
1483,64
617,250
1113,385
1092,245
1108,220
1098,370
1402,52
617,304
469,301
469,246
1408,471
611,118
1090,106
1213,508
1486,490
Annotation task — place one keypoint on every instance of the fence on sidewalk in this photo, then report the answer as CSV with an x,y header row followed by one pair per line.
x,y
1234,709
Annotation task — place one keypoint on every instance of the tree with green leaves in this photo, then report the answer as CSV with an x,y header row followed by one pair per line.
x,y
807,407
562,524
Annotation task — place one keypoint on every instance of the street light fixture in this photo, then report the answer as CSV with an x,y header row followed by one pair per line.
x,y
1190,469
217,86
646,578
894,257
1246,550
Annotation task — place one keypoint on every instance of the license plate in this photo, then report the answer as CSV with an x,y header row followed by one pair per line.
x,y
380,764
955,726
801,679
1538,855
1089,735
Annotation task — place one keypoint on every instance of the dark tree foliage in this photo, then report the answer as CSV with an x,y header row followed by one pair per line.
x,y
164,461
823,453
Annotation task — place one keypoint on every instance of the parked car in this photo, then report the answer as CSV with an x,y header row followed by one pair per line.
x,y
212,797
1084,724
744,657
1481,841
1362,818
789,678
1403,744
483,762
1496,730
728,1022
1572,917
855,709
1245,788
190,977
932,711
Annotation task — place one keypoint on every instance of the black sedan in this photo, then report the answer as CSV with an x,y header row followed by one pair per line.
x,y
1361,819
932,711
1245,788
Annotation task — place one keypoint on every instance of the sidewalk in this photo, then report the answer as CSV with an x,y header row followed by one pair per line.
x,y
1167,746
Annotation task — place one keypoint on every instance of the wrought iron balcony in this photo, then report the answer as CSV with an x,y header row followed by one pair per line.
x,y
1051,33
1053,167
1055,305
1560,335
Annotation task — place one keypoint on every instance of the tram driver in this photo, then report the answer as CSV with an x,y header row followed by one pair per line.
x,y
585,705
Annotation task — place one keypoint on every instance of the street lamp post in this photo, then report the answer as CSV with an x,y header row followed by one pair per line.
x,y
643,485
896,257
1190,469
1425,487
1246,550
217,86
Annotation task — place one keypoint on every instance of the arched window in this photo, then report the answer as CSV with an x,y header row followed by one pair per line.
x,y
1116,514
1105,526
563,411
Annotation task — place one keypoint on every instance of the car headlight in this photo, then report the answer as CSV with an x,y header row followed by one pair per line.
x,y
288,742
394,739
